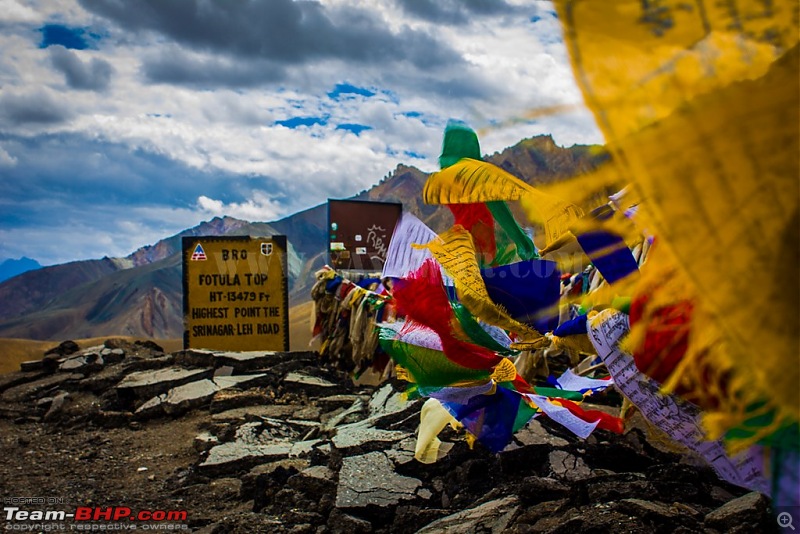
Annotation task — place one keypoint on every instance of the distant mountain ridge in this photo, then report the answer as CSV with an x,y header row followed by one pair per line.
x,y
11,268
141,294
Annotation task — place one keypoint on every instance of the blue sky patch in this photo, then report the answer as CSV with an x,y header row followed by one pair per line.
x,y
355,128
412,154
347,89
296,122
58,34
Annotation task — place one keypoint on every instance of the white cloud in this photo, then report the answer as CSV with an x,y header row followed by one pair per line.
x,y
13,11
6,159
259,208
223,133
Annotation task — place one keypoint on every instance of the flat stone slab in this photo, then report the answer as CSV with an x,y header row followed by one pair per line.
x,y
303,448
21,392
332,422
238,360
266,410
316,480
535,434
31,365
84,363
306,381
188,396
238,455
359,435
240,381
252,445
10,380
146,384
370,480
568,467
192,395
494,516
245,360
338,401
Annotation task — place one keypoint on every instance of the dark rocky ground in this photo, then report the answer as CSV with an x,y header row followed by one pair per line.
x,y
273,442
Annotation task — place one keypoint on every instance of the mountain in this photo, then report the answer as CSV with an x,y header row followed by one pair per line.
x,y
141,294
11,268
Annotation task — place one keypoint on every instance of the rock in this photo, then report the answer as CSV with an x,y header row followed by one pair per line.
x,y
402,453
329,423
10,380
148,364
43,403
229,399
57,406
342,523
241,381
147,384
147,344
369,480
535,434
247,361
85,363
204,441
112,356
183,398
303,448
378,400
388,406
409,518
199,393
252,444
65,348
653,512
195,358
309,384
236,456
337,401
365,437
152,408
565,466
494,516
31,365
678,479
250,479
248,412
238,361
751,509
607,488
599,518
104,379
31,389
308,413
535,489
314,481
532,514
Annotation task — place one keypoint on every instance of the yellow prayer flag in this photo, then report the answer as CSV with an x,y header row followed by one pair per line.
x,y
472,181
455,251
699,103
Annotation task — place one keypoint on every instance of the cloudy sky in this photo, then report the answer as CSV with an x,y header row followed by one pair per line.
x,y
122,122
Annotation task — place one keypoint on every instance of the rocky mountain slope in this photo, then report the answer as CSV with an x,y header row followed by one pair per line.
x,y
140,295
274,442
